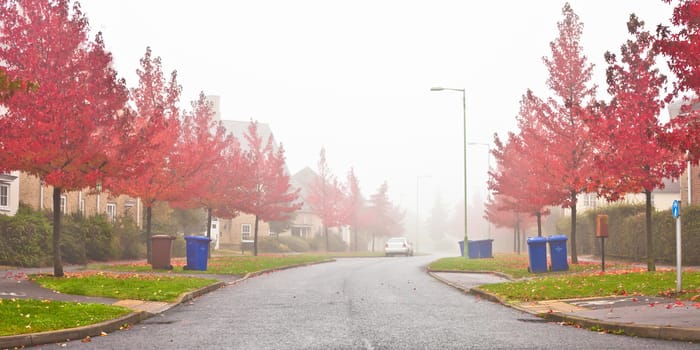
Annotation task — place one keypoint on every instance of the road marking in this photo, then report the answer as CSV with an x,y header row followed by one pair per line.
x,y
12,294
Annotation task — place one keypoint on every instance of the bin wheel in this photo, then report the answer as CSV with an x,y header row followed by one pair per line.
x,y
185,267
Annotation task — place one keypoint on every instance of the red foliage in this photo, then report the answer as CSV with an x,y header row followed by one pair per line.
x,y
634,151
148,171
210,163
683,51
271,198
327,197
61,131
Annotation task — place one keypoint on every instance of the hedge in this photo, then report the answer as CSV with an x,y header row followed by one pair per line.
x,y
627,233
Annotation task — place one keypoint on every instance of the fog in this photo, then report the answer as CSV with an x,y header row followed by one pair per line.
x,y
355,77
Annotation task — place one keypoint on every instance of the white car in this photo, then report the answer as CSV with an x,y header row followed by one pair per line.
x,y
398,246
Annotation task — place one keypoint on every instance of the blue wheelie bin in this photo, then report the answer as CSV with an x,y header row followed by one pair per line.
x,y
537,249
197,252
557,252
461,248
473,249
485,248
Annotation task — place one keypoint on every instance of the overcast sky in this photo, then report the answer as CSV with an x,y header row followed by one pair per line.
x,y
355,76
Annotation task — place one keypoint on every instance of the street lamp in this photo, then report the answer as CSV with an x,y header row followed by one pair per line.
x,y
418,178
464,110
488,168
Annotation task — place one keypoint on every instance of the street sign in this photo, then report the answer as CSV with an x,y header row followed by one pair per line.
x,y
676,209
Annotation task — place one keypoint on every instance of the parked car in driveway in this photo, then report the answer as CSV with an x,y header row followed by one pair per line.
x,y
398,246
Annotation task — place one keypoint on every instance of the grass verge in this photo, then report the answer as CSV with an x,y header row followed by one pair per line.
x,y
123,286
513,265
22,316
224,265
601,284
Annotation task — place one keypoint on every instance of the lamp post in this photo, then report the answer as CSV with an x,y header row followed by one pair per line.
x,y
464,111
488,168
418,178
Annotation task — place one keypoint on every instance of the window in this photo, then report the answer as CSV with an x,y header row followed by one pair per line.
x,y
64,204
245,232
4,196
111,211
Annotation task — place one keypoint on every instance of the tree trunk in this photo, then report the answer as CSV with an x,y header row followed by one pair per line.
x,y
255,237
515,238
149,217
574,254
57,264
325,230
651,263
539,224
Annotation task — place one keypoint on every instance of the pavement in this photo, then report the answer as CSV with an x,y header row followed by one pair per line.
x,y
641,316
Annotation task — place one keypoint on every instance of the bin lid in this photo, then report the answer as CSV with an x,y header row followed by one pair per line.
x,y
197,238
536,240
162,237
557,238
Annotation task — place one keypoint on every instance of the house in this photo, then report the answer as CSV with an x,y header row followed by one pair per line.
x,y
9,193
235,233
305,224
88,202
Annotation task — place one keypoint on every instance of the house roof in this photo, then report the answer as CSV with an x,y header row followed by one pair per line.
x,y
303,180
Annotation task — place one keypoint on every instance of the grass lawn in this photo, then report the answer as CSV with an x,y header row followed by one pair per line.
x,y
513,265
20,316
224,265
123,286
615,283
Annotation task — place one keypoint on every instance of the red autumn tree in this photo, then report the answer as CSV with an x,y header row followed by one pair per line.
x,y
633,139
327,198
61,131
271,197
210,164
526,171
149,170
563,119
682,48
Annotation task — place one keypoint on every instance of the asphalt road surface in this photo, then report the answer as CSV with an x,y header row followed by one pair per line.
x,y
355,303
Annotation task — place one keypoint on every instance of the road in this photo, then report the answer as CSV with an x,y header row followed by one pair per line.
x,y
355,303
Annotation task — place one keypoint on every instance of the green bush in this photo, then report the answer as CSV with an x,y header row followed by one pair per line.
x,y
335,243
86,239
73,241
128,241
25,239
271,245
295,244
179,248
